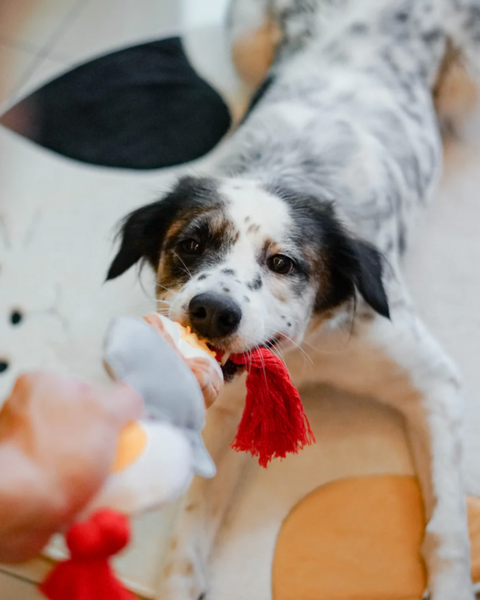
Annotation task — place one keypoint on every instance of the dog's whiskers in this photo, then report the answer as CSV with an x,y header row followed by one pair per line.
x,y
299,347
306,355
350,333
183,263
164,288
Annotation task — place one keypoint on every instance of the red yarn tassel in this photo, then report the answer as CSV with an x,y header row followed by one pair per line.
x,y
273,421
87,575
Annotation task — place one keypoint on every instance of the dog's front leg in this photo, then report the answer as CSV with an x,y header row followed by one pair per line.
x,y
434,431
185,576
400,364
408,370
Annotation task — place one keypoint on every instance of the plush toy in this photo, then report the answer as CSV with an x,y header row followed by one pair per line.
x,y
176,374
156,458
273,422
169,372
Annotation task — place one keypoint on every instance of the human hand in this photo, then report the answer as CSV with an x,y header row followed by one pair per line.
x,y
58,439
208,379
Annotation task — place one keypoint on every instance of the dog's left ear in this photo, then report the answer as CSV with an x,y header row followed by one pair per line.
x,y
143,231
367,276
141,234
356,265
351,263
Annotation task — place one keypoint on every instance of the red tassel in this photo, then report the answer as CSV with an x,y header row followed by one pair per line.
x,y
87,575
273,421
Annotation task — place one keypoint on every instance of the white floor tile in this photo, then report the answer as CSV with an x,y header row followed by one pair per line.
x,y
109,25
204,14
32,23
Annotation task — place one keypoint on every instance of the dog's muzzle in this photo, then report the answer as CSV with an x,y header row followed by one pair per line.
x,y
214,316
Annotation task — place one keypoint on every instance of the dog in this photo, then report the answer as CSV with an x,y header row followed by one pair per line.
x,y
298,232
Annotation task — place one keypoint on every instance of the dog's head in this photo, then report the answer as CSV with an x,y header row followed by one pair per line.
x,y
247,265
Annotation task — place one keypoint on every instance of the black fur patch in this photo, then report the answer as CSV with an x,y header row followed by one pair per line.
x,y
143,231
340,263
402,16
230,369
359,28
432,36
255,284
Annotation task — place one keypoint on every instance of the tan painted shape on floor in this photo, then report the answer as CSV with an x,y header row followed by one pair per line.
x,y
358,539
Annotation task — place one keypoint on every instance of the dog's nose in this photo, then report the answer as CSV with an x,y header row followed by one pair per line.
x,y
3,366
213,316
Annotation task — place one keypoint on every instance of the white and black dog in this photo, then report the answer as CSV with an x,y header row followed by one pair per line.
x,y
313,202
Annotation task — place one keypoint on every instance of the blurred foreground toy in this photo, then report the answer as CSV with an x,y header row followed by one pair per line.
x,y
156,458
176,374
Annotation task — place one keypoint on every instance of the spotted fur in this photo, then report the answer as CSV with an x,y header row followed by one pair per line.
x,y
329,264
334,165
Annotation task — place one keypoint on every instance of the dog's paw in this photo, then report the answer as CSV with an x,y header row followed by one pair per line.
x,y
451,585
450,595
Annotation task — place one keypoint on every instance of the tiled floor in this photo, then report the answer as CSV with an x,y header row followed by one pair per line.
x,y
57,216
55,34
40,39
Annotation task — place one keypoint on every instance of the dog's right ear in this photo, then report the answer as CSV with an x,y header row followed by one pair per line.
x,y
143,231
142,234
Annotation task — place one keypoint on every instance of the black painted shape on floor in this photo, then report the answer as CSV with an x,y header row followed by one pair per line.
x,y
139,108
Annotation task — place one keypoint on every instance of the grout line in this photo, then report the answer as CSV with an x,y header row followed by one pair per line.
x,y
16,576
45,51
28,48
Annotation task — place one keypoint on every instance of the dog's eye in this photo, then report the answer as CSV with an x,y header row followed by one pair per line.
x,y
280,264
190,247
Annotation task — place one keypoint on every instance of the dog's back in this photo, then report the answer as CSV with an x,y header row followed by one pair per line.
x,y
345,112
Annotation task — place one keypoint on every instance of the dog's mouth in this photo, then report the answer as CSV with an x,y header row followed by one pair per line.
x,y
231,368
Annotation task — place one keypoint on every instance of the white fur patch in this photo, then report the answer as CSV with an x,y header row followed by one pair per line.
x,y
270,309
